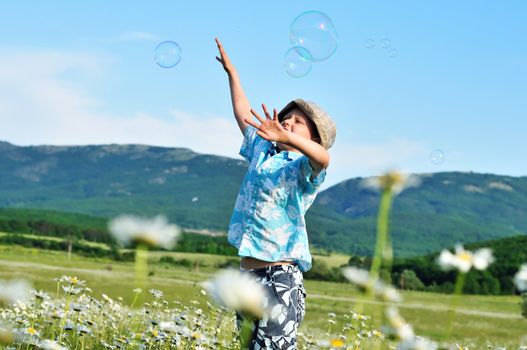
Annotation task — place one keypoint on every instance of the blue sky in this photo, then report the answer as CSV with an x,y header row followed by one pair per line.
x,y
84,73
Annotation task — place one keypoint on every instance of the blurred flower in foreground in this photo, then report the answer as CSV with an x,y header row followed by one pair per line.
x,y
392,181
151,232
401,329
464,260
404,332
238,291
520,278
51,345
362,279
417,343
15,290
6,335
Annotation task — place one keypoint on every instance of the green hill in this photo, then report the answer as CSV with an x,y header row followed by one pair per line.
x,y
198,191
195,190
446,208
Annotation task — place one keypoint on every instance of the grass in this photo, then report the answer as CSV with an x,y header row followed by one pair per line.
x,y
480,320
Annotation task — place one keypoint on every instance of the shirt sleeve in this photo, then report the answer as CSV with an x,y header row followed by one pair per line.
x,y
250,141
306,172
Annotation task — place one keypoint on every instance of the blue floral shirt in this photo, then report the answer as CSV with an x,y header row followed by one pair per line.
x,y
268,218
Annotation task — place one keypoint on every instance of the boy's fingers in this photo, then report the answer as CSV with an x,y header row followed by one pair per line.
x,y
275,114
251,122
266,112
260,119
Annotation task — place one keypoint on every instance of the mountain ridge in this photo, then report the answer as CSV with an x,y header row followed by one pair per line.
x,y
198,192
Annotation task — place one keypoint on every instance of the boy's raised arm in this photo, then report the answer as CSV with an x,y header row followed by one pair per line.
x,y
240,103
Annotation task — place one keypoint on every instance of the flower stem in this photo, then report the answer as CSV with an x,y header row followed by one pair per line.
x,y
458,290
383,250
141,265
63,321
135,299
246,333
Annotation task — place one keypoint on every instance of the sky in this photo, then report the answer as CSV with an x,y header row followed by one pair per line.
x,y
78,73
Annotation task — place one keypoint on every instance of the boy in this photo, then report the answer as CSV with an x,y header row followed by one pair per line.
x,y
287,155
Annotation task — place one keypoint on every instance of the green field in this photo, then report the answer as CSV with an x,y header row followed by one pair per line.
x,y
479,320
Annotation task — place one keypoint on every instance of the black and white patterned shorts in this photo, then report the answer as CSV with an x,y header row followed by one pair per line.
x,y
286,307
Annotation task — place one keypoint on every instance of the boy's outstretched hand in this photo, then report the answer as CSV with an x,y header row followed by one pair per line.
x,y
270,128
224,58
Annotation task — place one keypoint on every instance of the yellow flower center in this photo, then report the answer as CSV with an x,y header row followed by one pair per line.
x,y
465,256
388,181
336,343
195,335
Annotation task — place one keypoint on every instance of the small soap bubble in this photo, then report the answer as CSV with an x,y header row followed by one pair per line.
x,y
314,31
297,62
167,54
437,156
370,44
393,53
385,43
194,199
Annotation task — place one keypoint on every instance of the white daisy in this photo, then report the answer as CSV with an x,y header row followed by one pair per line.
x,y
152,232
14,290
392,181
238,291
463,260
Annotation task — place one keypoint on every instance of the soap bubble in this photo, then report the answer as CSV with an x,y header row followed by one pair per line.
x,y
370,44
195,199
393,53
297,62
437,156
167,54
314,31
385,43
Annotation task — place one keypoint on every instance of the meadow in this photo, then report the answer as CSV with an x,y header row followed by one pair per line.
x,y
478,322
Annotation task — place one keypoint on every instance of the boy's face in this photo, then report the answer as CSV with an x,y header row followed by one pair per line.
x,y
296,121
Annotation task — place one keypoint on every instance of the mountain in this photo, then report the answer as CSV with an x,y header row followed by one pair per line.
x,y
445,208
198,191
195,190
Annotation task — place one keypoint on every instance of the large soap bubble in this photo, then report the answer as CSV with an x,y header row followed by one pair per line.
x,y
167,54
297,62
314,31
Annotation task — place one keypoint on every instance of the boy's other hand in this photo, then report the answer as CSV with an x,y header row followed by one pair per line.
x,y
224,58
270,128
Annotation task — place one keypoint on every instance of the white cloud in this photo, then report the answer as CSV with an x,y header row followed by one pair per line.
x,y
40,105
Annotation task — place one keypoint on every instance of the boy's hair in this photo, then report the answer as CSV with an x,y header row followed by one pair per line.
x,y
325,126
